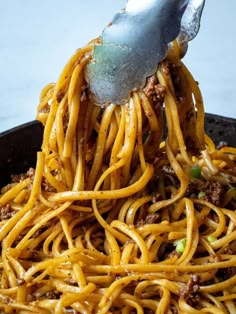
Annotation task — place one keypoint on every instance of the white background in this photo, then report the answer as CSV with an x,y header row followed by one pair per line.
x,y
37,37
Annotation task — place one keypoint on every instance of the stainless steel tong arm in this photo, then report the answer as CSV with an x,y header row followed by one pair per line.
x,y
132,46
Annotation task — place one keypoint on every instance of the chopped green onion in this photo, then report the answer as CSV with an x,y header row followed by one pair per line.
x,y
201,194
180,245
196,171
211,238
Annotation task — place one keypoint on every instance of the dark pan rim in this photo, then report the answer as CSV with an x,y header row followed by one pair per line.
x,y
19,145
210,118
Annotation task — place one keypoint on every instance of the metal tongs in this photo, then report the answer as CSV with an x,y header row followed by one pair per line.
x,y
135,42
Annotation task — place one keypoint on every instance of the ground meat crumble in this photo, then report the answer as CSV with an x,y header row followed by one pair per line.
x,y
6,212
190,291
212,191
154,90
22,176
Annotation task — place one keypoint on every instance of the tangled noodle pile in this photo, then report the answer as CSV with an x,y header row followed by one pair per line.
x,y
113,219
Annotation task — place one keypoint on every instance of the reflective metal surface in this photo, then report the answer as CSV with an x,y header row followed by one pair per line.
x,y
132,46
190,23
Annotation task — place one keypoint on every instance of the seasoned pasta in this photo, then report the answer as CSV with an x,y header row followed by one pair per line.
x,y
130,209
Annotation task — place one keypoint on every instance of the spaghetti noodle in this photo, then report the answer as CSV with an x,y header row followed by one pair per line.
x,y
113,220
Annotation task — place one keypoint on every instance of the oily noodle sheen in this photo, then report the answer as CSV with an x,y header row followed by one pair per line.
x,y
113,220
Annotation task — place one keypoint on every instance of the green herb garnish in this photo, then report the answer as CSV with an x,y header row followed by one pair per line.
x,y
180,245
196,172
211,238
201,195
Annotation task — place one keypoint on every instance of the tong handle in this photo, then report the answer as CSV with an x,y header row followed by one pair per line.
x,y
190,24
